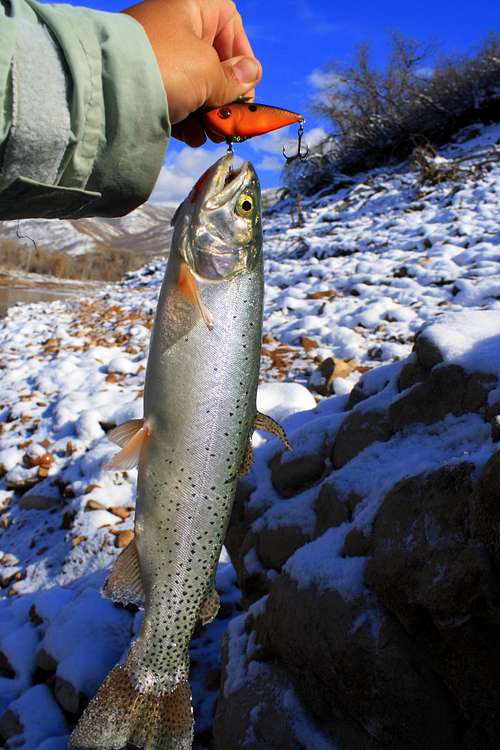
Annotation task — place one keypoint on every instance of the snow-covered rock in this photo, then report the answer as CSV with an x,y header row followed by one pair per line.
x,y
375,556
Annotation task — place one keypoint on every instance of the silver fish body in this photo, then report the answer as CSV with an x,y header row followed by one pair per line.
x,y
199,411
200,398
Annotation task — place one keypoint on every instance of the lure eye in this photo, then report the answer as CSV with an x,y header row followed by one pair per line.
x,y
244,206
224,113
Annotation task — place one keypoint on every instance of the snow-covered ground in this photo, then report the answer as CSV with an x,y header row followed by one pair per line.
x,y
371,265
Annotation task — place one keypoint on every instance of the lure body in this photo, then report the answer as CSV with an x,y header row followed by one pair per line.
x,y
241,120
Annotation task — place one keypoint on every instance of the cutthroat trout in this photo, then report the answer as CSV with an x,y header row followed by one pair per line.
x,y
194,441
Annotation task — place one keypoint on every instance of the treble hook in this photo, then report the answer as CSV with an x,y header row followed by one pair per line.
x,y
299,155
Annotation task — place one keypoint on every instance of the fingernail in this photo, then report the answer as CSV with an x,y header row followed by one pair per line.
x,y
246,70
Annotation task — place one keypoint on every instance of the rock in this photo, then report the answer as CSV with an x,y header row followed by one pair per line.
x,y
326,294
120,511
308,344
439,582
252,577
94,505
485,507
322,378
343,656
418,532
70,699
356,395
492,410
477,390
67,520
356,544
239,522
428,354
442,393
10,726
35,618
330,509
46,661
359,430
495,428
123,537
260,710
412,373
292,476
275,545
39,502
21,483
6,669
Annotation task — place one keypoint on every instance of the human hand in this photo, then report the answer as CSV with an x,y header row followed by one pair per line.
x,y
204,56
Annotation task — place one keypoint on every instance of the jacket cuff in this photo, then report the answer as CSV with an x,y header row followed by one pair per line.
x,y
119,116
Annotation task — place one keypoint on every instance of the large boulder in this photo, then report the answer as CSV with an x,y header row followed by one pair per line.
x,y
369,562
343,655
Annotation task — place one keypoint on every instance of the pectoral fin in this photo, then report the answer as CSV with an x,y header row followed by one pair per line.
x,y
210,607
268,424
124,432
131,436
124,583
189,289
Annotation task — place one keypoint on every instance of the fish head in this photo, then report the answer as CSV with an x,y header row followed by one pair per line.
x,y
218,227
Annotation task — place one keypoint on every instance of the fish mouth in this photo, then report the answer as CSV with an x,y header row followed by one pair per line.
x,y
227,181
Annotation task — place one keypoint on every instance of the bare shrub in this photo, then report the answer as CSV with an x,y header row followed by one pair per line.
x,y
378,116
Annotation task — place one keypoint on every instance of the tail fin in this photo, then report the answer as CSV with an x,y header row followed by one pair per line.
x,y
119,714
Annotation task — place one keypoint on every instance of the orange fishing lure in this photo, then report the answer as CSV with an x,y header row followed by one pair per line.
x,y
241,120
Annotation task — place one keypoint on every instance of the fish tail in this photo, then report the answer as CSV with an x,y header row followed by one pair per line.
x,y
119,713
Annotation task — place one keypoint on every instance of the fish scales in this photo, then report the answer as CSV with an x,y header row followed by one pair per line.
x,y
199,411
202,417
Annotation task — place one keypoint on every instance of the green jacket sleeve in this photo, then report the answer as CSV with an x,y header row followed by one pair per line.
x,y
83,112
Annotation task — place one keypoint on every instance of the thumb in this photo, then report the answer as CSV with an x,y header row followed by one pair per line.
x,y
236,76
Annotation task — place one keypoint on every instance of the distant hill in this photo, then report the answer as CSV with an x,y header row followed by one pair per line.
x,y
145,231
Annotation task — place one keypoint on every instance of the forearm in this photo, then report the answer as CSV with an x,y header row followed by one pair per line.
x,y
83,115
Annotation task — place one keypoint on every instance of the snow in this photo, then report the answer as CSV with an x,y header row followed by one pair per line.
x,y
39,715
320,564
86,639
470,339
372,265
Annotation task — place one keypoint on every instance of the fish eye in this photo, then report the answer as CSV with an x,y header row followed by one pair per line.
x,y
224,113
252,107
244,206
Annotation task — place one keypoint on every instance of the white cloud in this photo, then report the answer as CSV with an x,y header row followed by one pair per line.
x,y
271,163
180,172
324,79
425,71
273,143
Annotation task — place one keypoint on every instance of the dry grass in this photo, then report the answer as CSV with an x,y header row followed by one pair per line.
x,y
108,265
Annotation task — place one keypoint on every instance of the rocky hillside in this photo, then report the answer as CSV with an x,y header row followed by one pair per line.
x,y
360,582
368,560
145,230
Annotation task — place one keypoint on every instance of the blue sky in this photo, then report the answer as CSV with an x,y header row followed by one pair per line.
x,y
295,38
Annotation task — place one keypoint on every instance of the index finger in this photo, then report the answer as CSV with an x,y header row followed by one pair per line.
x,y
232,40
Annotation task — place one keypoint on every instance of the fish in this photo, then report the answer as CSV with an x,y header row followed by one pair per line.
x,y
244,119
190,448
